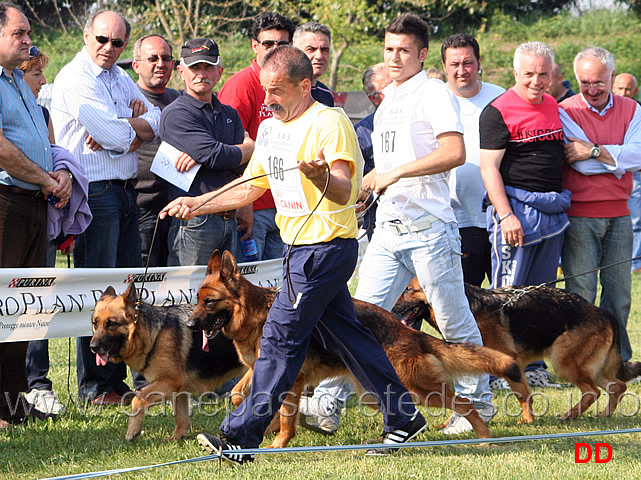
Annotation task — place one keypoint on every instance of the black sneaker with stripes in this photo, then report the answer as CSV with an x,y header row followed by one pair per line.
x,y
401,435
213,445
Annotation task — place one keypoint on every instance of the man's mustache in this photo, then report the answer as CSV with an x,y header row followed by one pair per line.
x,y
202,80
275,107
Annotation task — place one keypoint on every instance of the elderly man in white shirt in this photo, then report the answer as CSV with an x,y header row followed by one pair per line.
x,y
100,115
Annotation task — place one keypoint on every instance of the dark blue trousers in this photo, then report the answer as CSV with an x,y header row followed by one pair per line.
x,y
319,275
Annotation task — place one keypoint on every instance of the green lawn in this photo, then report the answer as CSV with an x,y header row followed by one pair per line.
x,y
89,439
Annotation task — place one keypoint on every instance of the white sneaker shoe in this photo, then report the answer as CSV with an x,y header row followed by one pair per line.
x,y
459,424
45,401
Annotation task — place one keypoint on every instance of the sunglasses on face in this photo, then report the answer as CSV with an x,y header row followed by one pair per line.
x,y
272,43
34,52
116,42
155,58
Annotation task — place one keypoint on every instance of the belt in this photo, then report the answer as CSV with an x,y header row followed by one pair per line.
x,y
227,215
129,183
21,191
423,223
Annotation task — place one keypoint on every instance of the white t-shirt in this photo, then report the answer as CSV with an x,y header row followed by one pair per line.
x,y
466,185
406,125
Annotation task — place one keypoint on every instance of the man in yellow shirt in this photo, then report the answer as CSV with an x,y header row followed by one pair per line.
x,y
322,228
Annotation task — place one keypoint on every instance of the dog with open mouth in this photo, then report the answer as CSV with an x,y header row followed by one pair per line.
x,y
156,341
229,303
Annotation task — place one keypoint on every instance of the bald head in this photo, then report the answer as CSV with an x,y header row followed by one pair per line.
x,y
625,84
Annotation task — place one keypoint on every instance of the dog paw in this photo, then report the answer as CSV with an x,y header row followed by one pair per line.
x,y
131,436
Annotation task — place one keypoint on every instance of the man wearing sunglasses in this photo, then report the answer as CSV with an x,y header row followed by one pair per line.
x,y
100,115
244,93
154,64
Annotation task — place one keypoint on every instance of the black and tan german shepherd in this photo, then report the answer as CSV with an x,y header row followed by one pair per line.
x,y
157,342
579,340
229,303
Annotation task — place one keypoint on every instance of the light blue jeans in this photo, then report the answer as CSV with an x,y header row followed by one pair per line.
x,y
192,242
434,255
597,242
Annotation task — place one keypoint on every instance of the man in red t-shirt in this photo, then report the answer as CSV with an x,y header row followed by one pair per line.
x,y
244,92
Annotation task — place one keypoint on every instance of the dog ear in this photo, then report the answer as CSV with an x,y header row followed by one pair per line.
x,y
229,270
214,262
130,294
109,292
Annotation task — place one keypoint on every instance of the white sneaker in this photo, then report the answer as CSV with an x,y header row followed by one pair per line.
x,y
459,424
45,401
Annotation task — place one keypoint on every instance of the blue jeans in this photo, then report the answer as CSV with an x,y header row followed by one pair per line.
x,y
390,263
319,275
597,242
192,242
147,224
267,234
111,240
635,215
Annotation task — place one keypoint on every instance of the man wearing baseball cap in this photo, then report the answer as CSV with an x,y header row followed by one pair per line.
x,y
210,134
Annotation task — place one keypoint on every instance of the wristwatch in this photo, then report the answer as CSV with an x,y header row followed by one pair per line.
x,y
595,152
70,176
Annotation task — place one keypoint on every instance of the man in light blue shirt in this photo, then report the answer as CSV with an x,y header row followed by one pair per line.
x,y
101,116
26,180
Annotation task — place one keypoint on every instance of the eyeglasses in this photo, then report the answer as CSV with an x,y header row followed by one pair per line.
x,y
269,44
116,42
155,58
587,85
34,52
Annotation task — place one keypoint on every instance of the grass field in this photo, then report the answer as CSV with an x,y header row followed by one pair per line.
x,y
89,438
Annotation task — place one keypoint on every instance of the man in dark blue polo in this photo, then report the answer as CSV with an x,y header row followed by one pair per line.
x,y
210,134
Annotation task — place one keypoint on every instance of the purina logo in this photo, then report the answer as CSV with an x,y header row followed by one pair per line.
x,y
32,282
141,277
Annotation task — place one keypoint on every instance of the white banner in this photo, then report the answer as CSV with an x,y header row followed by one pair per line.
x,y
38,303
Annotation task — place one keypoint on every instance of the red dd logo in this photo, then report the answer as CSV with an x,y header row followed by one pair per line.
x,y
578,447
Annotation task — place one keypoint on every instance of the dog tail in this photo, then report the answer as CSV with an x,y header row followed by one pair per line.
x,y
629,370
466,358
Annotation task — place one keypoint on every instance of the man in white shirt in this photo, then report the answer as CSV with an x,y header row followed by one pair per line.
x,y
100,115
461,59
417,140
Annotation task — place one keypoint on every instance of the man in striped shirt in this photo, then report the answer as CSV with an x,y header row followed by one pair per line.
x,y
101,116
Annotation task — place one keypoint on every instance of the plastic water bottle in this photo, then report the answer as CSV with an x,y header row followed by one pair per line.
x,y
250,249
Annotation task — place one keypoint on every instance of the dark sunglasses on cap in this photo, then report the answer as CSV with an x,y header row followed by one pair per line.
x,y
155,58
116,42
271,43
34,52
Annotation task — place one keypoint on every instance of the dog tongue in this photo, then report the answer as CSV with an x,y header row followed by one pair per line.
x,y
101,360
205,342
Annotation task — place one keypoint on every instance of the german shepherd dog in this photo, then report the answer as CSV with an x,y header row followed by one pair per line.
x,y
580,340
229,303
156,342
